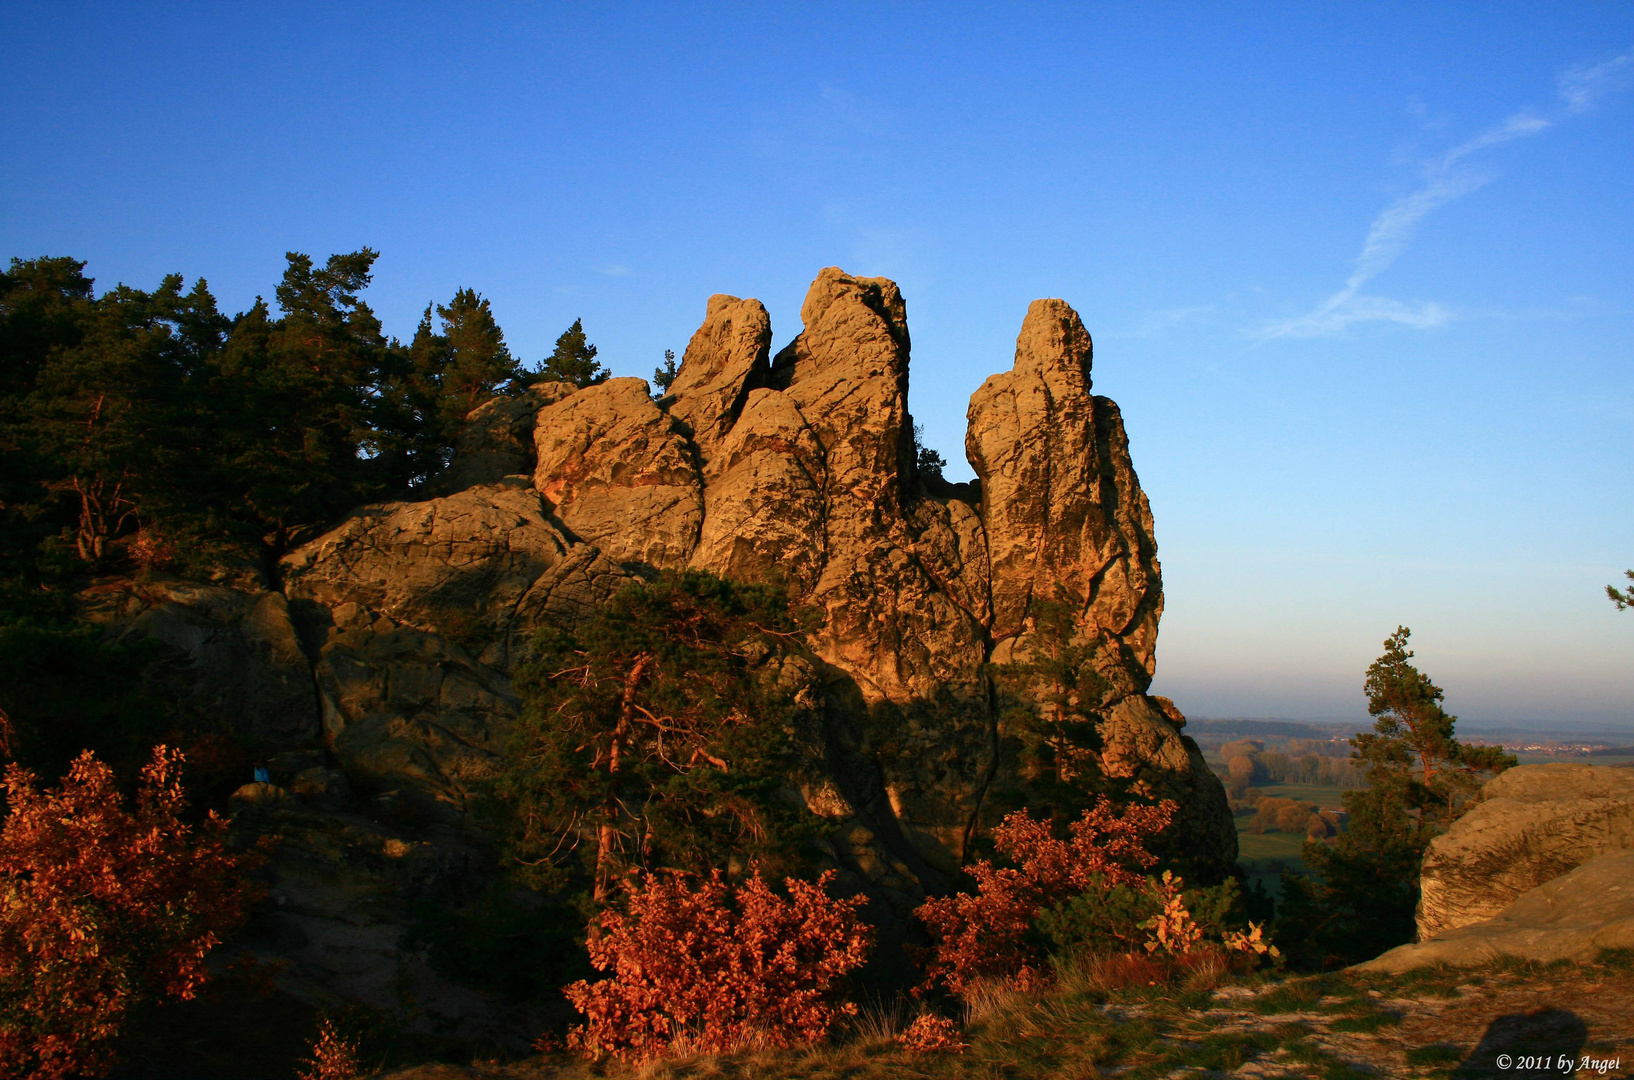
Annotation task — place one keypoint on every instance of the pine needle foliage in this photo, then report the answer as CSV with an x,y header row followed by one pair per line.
x,y
1361,894
655,734
573,360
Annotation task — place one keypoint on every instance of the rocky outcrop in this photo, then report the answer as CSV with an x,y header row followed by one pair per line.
x,y
722,362
799,469
620,474
1573,917
231,658
413,614
383,667
497,440
345,885
1533,824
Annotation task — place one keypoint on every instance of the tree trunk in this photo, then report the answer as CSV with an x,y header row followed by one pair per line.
x,y
607,834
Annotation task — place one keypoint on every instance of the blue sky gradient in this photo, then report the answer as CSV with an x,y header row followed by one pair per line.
x,y
1360,276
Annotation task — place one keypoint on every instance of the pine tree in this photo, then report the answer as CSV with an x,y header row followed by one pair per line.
x,y
654,736
113,412
664,377
1623,598
573,361
479,363
307,427
1049,722
1361,893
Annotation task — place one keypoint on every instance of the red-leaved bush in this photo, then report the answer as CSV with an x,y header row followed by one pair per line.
x,y
982,936
718,967
334,1056
931,1034
101,906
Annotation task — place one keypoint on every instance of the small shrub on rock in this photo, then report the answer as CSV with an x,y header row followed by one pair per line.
x,y
334,1056
718,967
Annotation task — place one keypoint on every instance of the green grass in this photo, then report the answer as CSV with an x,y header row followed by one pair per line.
x,y
1271,845
1435,1054
1367,1022
1296,995
1325,796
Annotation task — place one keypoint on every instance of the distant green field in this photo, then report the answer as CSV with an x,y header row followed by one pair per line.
x,y
1253,847
1324,796
1598,759
1264,855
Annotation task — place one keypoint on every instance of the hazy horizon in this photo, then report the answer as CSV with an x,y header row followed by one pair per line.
x,y
1357,277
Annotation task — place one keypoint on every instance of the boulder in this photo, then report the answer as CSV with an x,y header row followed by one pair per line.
x,y
620,473
232,658
1573,917
496,440
1533,824
723,362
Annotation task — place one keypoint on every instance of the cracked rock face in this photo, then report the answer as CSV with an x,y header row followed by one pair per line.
x,y
1534,823
797,468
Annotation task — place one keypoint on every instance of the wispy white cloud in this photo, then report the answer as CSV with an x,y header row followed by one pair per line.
x,y
1158,321
1446,177
1583,84
613,270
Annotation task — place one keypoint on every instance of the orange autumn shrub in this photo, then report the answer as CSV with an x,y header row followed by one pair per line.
x,y
102,906
334,1056
982,936
932,1034
718,967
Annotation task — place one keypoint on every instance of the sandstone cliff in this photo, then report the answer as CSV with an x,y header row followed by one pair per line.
x,y
1533,824
798,467
1541,869
392,641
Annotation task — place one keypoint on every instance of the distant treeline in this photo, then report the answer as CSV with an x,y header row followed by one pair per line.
x,y
1237,726
1248,763
145,430
140,426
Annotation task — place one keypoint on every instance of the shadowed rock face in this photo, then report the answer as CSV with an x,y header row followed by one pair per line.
x,y
1571,917
1533,824
798,468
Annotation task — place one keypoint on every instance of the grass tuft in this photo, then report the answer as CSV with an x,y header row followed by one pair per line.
x,y
1435,1054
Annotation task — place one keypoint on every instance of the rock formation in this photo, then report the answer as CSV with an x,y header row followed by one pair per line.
x,y
798,468
1541,869
1573,917
1533,824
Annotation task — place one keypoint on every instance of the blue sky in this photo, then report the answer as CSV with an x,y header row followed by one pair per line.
x,y
1360,276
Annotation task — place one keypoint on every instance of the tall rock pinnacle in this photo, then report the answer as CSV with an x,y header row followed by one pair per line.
x,y
797,468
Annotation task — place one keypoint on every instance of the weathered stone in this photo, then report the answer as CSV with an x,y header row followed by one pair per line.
x,y
322,787
234,659
344,888
1533,824
1064,514
406,708
763,502
458,564
1572,917
724,360
800,471
619,474
886,624
497,439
